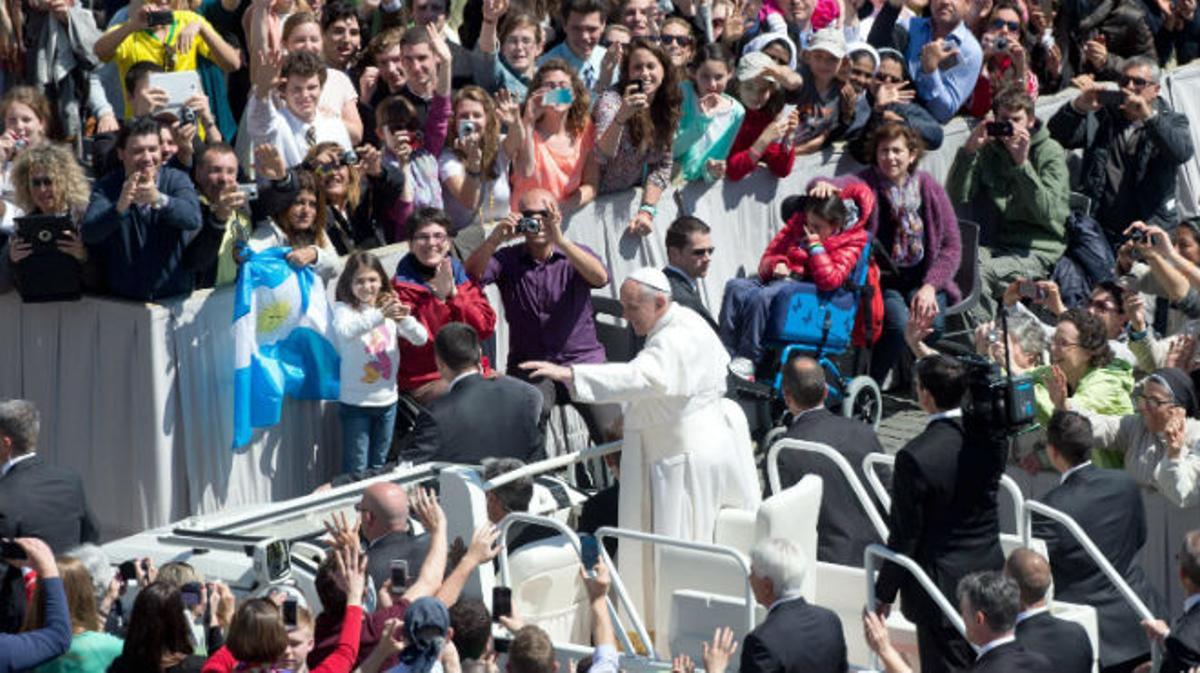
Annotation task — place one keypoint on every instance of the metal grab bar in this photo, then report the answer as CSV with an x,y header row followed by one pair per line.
x,y
1085,541
877,551
869,462
864,500
551,464
1006,482
639,536
519,517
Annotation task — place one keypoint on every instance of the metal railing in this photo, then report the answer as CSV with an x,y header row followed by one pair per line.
x,y
1085,541
843,465
878,551
551,464
1006,482
639,536
517,517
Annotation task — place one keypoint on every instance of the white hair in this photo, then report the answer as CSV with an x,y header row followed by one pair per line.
x,y
98,566
780,561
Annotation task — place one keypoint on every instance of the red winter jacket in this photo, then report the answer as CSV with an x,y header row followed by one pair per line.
x,y
828,270
468,305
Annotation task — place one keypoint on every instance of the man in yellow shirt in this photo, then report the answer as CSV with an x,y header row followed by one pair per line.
x,y
173,42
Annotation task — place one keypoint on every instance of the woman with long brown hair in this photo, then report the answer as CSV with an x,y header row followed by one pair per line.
x,y
635,126
92,650
557,138
301,226
473,166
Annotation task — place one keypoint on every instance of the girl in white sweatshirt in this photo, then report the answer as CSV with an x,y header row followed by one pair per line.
x,y
368,317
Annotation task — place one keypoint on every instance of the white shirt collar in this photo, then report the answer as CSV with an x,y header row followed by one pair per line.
x,y
461,377
8,465
952,413
1030,613
1190,602
785,598
988,647
1073,470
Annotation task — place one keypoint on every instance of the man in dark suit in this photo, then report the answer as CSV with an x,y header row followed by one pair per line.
x,y
1107,504
514,496
944,513
1064,643
478,417
386,525
37,499
689,252
1181,642
843,529
988,603
796,636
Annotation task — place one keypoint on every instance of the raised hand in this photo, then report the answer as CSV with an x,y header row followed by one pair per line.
x,y
268,162
718,653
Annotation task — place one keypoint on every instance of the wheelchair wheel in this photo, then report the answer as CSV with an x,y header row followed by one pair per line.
x,y
863,401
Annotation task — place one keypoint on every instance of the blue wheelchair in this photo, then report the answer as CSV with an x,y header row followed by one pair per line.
x,y
820,324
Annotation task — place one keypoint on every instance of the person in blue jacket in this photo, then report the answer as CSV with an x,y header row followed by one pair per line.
x,y
22,651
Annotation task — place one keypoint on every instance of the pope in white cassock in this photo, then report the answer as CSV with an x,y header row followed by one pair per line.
x,y
687,451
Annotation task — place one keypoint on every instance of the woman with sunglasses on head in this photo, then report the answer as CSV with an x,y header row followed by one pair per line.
x,y
474,164
514,56
711,117
635,127
891,98
557,139
1005,58
341,177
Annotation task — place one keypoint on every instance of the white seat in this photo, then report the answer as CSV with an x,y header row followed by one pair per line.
x,y
547,590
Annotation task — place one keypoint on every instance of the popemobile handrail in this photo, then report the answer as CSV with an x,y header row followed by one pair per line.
x,y
639,536
864,499
878,551
521,517
1006,482
1089,547
551,464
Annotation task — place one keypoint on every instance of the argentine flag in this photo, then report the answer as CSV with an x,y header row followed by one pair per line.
x,y
281,317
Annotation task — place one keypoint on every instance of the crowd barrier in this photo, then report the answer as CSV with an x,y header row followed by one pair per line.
x,y
138,397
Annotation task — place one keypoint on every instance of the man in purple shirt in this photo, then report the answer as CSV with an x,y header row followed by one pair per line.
x,y
546,286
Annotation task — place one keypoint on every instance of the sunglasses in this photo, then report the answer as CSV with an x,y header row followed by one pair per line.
x,y
1010,26
888,79
41,182
1137,82
535,213
703,252
681,40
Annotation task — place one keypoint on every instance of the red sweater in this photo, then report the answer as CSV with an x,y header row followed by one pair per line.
x,y
341,660
828,270
777,157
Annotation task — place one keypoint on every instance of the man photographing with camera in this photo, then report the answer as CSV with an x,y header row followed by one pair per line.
x,y
546,286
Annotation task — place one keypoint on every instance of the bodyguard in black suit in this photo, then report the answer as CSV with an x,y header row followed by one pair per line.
x,y
37,499
1181,642
1064,643
944,513
988,603
689,252
843,529
796,636
1107,504
478,417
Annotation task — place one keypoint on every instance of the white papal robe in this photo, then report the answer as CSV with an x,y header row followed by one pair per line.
x,y
687,450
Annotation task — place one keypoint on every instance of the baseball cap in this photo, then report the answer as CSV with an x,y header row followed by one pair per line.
x,y
830,40
753,65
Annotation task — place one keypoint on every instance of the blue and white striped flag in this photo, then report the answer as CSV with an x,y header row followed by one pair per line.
x,y
281,319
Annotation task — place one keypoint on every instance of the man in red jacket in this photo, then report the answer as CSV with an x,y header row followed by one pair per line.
x,y
819,245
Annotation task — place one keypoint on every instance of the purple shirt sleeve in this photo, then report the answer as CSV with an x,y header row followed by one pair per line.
x,y
437,124
496,265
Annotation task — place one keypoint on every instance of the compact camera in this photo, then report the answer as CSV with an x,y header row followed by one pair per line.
x,y
529,225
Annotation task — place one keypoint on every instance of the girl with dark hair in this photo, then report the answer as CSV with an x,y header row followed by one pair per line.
x,y
1005,58
558,137
301,226
766,132
890,96
635,126
367,319
820,244
159,637
711,118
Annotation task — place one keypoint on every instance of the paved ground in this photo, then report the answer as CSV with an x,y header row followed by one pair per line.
x,y
902,420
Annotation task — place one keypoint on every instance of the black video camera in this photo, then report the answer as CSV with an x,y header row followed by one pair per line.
x,y
1002,403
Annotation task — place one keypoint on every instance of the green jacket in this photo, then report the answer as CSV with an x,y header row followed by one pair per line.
x,y
1032,198
1103,390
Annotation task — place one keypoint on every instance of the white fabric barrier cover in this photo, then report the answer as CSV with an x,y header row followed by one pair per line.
x,y
137,397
